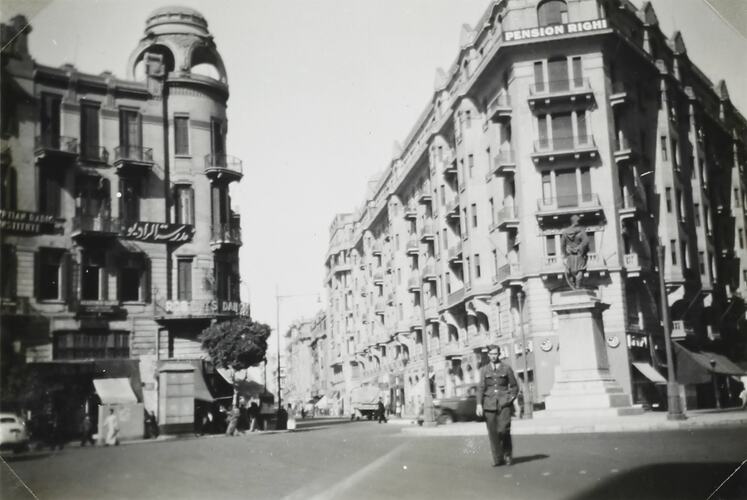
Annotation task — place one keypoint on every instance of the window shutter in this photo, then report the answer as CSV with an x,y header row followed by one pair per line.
x,y
146,279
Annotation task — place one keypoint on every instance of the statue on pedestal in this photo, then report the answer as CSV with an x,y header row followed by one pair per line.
x,y
574,246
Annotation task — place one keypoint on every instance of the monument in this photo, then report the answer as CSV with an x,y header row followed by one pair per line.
x,y
583,384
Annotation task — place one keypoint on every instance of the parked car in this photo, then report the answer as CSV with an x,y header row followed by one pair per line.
x,y
13,433
457,408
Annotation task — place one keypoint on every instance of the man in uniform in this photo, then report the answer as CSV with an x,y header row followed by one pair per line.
x,y
495,396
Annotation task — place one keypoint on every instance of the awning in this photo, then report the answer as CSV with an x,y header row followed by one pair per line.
x,y
114,390
202,393
697,367
650,373
322,403
248,387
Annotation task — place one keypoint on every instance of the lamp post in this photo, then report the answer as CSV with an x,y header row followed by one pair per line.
x,y
428,398
528,403
674,410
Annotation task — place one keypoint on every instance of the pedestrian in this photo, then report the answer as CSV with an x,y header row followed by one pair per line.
x,y
291,426
253,416
233,421
381,411
112,429
87,432
743,397
496,392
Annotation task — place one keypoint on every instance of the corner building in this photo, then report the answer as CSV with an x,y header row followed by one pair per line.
x,y
119,244
551,109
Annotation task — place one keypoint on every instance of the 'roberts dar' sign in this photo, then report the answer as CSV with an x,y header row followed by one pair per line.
x,y
159,232
558,29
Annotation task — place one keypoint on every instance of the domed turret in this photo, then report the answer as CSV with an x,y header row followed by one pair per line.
x,y
180,36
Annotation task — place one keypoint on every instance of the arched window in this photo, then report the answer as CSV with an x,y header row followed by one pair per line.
x,y
552,12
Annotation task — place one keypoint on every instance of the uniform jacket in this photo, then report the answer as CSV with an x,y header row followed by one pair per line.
x,y
497,387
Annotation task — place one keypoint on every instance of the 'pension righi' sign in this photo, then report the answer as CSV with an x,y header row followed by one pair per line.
x,y
558,29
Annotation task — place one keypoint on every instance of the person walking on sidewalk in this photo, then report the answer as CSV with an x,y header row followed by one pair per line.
x,y
233,421
381,411
87,432
496,392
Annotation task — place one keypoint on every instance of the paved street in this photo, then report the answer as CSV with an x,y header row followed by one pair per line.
x,y
327,459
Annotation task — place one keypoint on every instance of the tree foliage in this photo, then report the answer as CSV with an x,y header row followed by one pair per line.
x,y
236,344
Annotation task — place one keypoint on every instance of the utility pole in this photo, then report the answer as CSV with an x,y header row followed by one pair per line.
x,y
674,409
528,402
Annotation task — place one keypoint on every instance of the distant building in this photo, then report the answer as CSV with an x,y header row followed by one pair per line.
x,y
552,109
119,243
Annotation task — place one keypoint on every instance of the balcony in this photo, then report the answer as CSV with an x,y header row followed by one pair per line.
x,y
562,207
411,211
634,264
223,167
378,277
380,307
576,91
619,94
452,208
413,283
504,163
450,166
425,195
455,253
506,217
225,235
93,153
342,267
376,248
430,273
431,310
455,298
427,232
623,152
56,149
413,247
631,207
390,299
507,273
500,106
553,264
564,148
133,160
95,227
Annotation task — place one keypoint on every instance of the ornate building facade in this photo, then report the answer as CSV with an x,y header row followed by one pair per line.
x,y
552,109
119,242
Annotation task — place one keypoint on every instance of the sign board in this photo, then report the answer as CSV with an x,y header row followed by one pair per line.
x,y
27,222
205,307
159,232
555,30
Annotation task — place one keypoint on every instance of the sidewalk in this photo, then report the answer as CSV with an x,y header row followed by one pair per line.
x,y
649,421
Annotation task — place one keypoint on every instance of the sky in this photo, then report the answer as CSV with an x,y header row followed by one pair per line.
x,y
320,91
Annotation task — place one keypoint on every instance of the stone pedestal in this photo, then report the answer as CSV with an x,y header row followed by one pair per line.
x,y
584,385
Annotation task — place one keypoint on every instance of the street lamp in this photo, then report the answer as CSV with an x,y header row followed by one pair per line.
x,y
674,410
528,403
428,399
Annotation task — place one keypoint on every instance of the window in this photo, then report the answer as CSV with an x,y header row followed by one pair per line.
x,y
491,203
130,134
443,195
547,194
91,344
49,273
586,184
495,261
217,138
133,278
447,282
468,271
566,188
578,76
9,185
50,120
184,205
474,215
467,118
736,197
673,250
557,73
741,238
696,214
539,77
8,271
89,131
184,278
581,131
93,276
664,155
465,222
129,200
50,185
701,262
550,250
181,135
544,141
470,164
478,270
668,195
552,12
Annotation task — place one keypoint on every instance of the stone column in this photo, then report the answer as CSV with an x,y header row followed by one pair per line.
x,y
584,385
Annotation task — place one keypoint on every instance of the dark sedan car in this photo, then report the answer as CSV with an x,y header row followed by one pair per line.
x,y
456,408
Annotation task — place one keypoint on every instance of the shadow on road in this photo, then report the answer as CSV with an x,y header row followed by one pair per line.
x,y
672,480
529,458
24,457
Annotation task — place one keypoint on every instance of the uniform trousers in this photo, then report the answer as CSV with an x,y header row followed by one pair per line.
x,y
499,433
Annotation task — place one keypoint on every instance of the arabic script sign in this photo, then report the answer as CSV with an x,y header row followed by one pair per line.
x,y
158,232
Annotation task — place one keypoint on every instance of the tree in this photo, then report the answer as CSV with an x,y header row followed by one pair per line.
x,y
236,345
